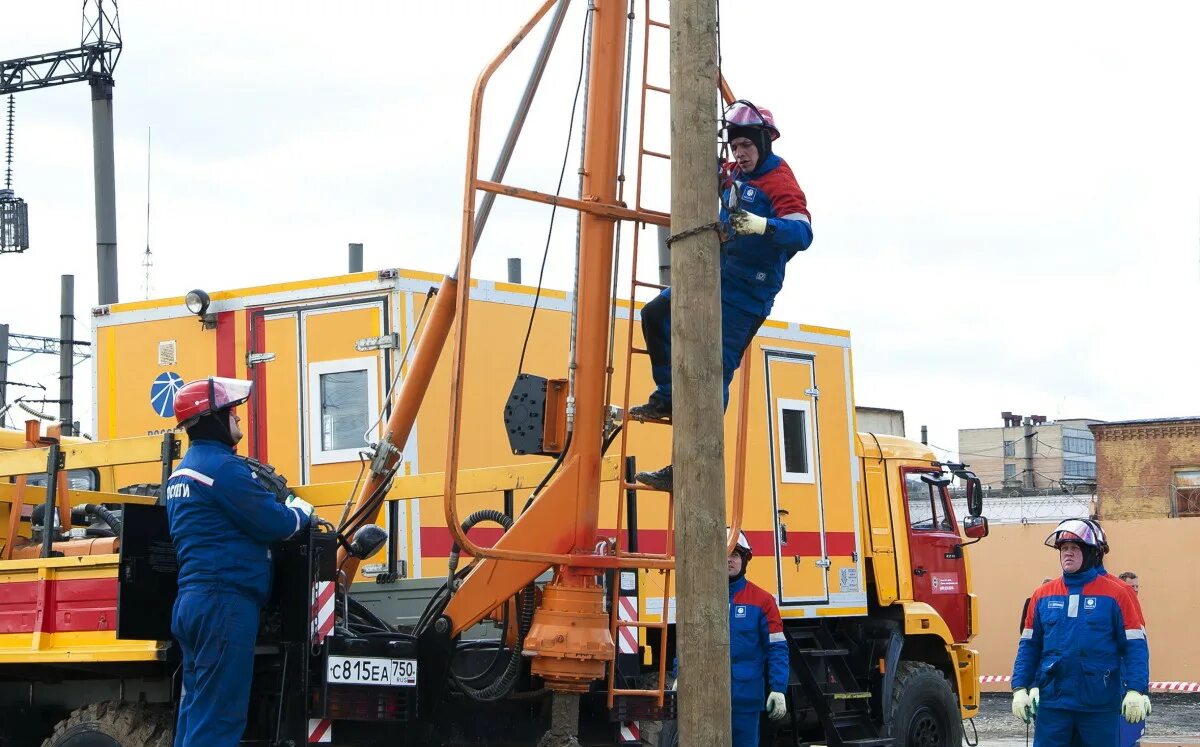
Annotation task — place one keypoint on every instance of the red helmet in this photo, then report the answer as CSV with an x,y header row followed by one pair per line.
x,y
742,113
198,398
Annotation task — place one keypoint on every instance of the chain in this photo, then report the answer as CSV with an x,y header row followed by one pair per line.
x,y
714,226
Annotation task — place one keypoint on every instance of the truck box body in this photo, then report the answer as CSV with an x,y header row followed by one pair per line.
x,y
317,393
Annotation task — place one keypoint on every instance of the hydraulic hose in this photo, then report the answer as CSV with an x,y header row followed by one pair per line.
x,y
503,683
108,517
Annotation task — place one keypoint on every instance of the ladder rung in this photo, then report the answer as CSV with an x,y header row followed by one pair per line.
x,y
654,624
641,486
645,556
637,693
660,24
656,154
660,89
660,421
648,284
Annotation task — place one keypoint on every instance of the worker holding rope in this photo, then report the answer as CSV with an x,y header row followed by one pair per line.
x,y
764,222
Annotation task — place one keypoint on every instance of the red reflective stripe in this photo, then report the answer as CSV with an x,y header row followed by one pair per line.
x,y
58,606
256,341
226,345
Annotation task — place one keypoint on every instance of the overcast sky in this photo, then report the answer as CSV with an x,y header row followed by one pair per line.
x,y
1005,197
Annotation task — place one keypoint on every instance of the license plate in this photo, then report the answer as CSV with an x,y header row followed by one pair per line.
x,y
370,670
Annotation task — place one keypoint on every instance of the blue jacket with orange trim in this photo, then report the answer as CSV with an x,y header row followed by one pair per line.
x,y
758,649
1084,643
222,522
752,266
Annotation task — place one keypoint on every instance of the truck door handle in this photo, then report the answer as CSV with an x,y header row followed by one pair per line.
x,y
918,571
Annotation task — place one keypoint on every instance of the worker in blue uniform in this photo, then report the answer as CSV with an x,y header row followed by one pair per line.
x,y
1083,657
222,523
758,651
765,222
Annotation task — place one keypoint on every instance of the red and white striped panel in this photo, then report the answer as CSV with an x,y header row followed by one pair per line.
x,y
320,731
630,733
321,613
627,612
1175,687
1156,687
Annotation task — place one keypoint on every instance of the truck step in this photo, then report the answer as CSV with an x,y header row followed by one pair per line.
x,y
871,742
848,696
823,652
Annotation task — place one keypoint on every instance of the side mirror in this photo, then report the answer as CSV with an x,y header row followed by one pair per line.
x,y
974,495
367,541
975,527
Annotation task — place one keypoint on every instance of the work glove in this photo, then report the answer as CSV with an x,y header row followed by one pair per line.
x,y
748,223
1136,707
300,503
1024,704
776,707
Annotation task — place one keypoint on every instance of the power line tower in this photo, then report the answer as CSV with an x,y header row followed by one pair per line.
x,y
93,62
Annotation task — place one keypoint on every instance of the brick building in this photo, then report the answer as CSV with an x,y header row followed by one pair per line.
x,y
1148,468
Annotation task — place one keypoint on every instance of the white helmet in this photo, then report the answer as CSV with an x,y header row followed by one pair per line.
x,y
743,544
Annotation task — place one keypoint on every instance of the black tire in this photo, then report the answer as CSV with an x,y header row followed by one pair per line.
x,y
111,723
669,736
924,710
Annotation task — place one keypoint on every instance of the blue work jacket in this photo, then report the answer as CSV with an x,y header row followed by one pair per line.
x,y
222,522
1084,643
752,266
758,649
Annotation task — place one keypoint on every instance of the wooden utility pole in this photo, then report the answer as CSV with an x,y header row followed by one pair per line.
x,y
701,586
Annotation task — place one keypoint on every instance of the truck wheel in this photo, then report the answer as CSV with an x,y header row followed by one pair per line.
x,y
111,723
669,736
925,712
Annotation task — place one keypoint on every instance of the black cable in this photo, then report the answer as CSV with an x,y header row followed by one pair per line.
x,y
561,175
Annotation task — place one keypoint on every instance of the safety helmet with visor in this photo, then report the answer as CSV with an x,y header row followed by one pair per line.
x,y
202,397
741,114
1084,532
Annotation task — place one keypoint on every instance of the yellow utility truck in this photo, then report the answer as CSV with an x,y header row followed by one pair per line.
x,y
506,598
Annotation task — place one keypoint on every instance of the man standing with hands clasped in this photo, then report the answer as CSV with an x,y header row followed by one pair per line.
x,y
1083,657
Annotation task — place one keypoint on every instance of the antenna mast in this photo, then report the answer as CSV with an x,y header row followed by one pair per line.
x,y
147,258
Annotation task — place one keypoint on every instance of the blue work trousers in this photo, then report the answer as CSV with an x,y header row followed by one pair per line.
x,y
745,728
737,330
1061,728
216,630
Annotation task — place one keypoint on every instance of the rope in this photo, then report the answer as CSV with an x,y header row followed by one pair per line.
x,y
714,226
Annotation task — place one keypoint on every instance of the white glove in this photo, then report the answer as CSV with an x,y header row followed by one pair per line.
x,y
1024,704
776,707
300,503
1136,707
747,223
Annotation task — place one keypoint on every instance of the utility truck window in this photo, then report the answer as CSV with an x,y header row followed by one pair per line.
x,y
795,441
926,505
344,416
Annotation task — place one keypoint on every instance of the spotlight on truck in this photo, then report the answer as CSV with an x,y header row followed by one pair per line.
x,y
197,302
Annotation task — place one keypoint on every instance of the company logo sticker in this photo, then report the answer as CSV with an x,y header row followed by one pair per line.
x,y
739,611
1089,603
749,193
1055,604
162,393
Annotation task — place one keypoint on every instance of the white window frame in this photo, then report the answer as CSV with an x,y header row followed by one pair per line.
x,y
809,477
370,364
